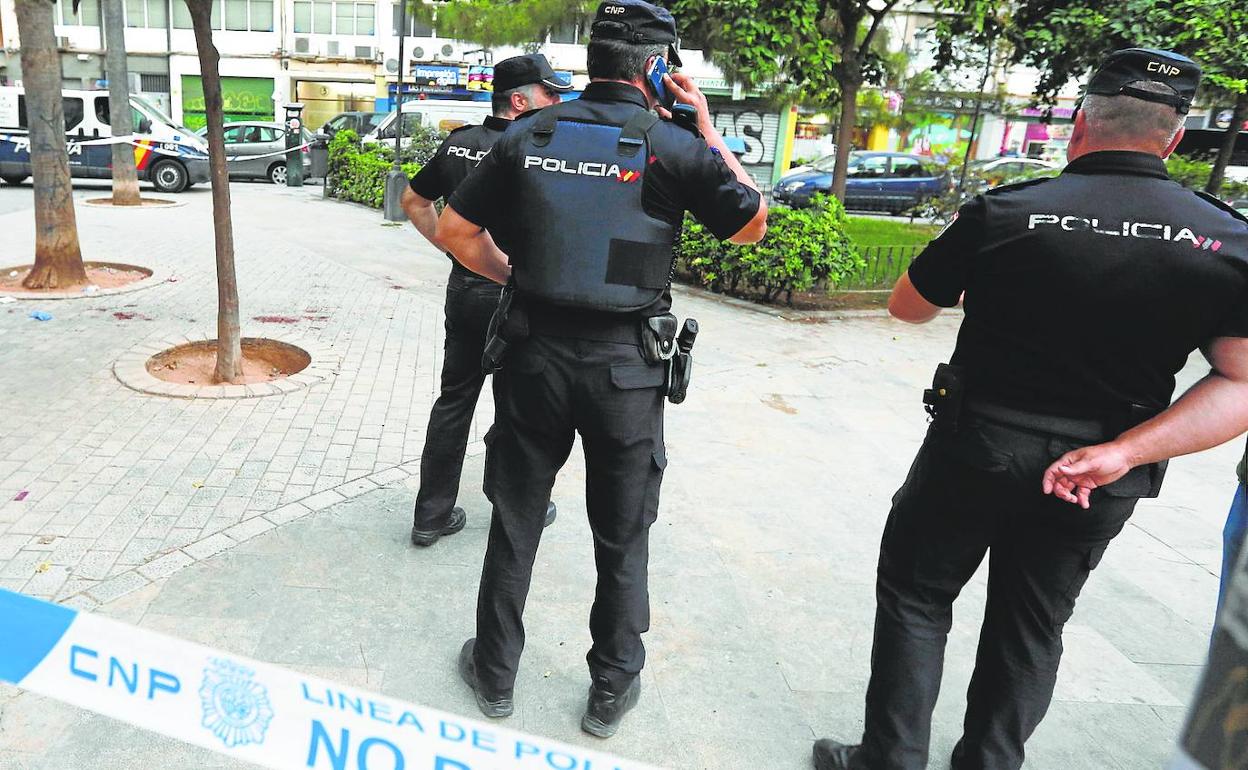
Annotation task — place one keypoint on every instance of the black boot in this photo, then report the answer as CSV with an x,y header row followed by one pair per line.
x,y
427,537
605,709
832,755
551,513
491,704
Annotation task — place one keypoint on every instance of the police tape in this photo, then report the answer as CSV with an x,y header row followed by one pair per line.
x,y
248,710
23,143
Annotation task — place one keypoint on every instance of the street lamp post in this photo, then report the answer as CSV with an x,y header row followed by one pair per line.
x,y
396,180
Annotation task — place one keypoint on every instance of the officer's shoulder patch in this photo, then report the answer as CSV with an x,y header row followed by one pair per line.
x,y
1216,201
1005,188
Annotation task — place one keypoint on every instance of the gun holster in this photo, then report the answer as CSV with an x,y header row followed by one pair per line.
x,y
680,367
943,401
658,338
510,323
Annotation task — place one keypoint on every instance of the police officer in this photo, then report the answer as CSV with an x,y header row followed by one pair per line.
x,y
584,202
1083,296
521,84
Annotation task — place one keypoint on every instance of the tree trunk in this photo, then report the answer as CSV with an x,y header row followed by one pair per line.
x,y
229,345
58,257
1238,116
845,134
125,176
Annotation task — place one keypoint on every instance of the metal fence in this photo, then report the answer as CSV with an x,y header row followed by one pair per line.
x,y
884,265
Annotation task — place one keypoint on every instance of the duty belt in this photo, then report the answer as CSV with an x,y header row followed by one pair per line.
x,y
584,325
1095,431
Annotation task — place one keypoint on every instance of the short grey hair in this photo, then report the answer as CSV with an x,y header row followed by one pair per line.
x,y
500,103
1135,120
609,59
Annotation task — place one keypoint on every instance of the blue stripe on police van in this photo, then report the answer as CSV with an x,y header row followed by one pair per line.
x,y
29,629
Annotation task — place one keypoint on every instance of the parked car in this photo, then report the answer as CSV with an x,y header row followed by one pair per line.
x,y
878,181
256,150
361,123
823,160
999,171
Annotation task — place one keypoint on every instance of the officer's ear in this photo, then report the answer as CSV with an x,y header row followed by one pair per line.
x,y
519,101
1174,143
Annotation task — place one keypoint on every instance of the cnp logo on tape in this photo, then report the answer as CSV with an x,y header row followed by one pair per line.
x,y
249,710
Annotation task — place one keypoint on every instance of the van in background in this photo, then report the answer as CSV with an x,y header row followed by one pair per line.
x,y
169,156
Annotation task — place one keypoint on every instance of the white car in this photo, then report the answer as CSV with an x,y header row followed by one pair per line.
x,y
1000,170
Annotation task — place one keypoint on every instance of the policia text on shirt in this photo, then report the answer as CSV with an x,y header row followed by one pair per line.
x,y
577,209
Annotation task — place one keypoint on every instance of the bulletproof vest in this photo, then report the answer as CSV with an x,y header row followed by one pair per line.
x,y
584,239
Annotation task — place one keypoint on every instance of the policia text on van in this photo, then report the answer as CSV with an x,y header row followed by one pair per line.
x,y
169,156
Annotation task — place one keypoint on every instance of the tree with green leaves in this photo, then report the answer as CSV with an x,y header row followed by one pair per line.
x,y
493,23
820,51
1066,39
1216,33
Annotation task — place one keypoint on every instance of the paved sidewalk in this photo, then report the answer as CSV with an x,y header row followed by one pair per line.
x,y
783,461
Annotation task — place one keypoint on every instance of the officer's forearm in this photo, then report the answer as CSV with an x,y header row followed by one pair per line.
x,y
1213,411
482,256
421,213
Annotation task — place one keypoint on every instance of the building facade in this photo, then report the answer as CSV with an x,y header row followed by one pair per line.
x,y
335,56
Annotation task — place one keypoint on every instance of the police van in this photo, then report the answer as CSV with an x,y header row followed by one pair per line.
x,y
169,156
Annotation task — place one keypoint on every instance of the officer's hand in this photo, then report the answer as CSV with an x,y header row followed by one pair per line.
x,y
687,92
1074,475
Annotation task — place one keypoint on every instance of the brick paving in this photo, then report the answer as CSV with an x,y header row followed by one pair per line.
x,y
121,488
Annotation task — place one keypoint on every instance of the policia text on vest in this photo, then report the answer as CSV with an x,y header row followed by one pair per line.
x,y
580,206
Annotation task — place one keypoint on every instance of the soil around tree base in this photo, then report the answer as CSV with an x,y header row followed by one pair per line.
x,y
143,203
264,360
102,275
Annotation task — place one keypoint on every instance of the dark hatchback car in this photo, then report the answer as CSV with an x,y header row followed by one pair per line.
x,y
361,123
878,181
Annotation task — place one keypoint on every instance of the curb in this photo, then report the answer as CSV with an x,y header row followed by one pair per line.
x,y
159,275
131,370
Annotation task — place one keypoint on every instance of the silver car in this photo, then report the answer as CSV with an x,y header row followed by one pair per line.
x,y
256,150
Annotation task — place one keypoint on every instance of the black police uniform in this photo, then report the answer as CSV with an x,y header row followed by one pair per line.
x,y
470,301
1084,296
582,370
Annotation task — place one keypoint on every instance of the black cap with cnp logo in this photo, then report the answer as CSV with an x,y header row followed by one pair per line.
x,y
1131,65
524,70
636,21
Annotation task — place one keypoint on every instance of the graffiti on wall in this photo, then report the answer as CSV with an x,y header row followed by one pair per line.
x,y
758,126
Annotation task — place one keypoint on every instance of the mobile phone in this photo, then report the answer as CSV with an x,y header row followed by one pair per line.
x,y
655,75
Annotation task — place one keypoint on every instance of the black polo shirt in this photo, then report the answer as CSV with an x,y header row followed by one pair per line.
x,y
459,154
1088,292
684,174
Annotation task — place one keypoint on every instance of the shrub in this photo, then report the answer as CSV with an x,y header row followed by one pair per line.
x,y
358,172
1193,172
803,248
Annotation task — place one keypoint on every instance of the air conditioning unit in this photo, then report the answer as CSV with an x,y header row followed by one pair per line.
x,y
447,53
62,43
303,45
418,54
331,48
366,52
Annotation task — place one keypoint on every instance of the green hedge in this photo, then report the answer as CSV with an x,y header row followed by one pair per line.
x,y
803,248
358,172
1193,171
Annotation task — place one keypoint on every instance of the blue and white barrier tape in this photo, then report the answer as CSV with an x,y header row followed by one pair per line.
x,y
248,710
23,145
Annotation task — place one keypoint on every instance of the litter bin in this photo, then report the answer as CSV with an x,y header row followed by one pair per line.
x,y
319,156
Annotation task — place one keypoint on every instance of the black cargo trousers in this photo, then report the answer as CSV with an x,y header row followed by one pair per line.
x,y
470,302
968,493
551,388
